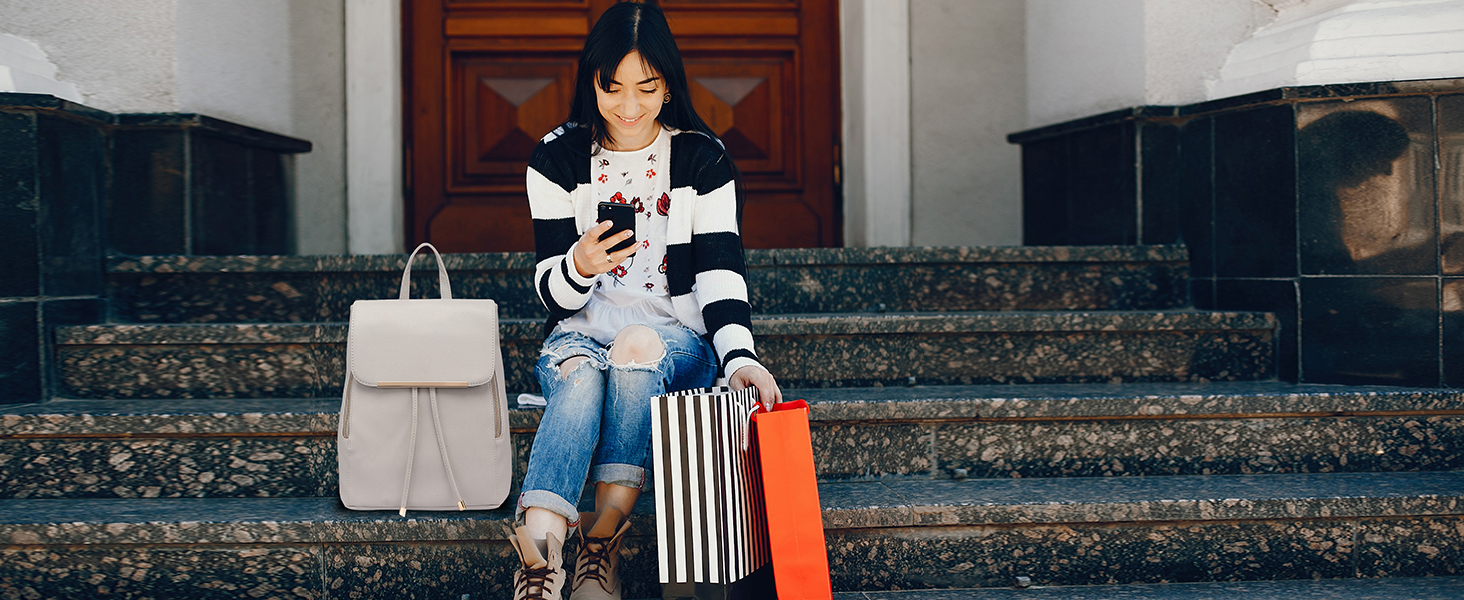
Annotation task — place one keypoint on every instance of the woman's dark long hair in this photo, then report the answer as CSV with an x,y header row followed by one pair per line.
x,y
627,27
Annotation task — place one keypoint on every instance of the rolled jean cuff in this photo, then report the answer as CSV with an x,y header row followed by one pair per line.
x,y
549,501
630,476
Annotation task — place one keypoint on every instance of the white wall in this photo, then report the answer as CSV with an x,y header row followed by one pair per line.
x,y
234,61
1083,58
120,55
1187,42
968,90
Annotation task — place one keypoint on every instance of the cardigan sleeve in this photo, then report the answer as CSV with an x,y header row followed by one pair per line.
x,y
550,187
721,274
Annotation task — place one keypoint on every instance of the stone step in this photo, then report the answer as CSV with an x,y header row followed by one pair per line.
x,y
881,536
286,447
1403,588
307,360
218,289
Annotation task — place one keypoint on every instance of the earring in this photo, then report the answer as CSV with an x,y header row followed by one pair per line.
x,y
666,99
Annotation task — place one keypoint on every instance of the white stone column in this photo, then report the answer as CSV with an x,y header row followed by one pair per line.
x,y
374,127
876,154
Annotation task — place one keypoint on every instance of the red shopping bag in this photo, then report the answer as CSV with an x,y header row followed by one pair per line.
x,y
790,492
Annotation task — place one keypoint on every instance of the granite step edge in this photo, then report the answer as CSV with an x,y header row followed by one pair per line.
x,y
873,505
800,257
949,323
1401,588
1217,400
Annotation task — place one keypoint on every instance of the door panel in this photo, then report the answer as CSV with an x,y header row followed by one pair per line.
x,y
488,78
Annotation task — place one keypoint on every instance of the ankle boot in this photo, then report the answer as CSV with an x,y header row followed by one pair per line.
x,y
540,576
596,571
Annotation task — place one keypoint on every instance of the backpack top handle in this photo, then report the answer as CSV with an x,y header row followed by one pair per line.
x,y
442,284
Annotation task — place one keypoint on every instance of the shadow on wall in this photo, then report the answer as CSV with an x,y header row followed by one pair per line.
x,y
1364,193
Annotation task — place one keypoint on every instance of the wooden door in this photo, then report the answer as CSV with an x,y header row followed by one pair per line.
x,y
488,78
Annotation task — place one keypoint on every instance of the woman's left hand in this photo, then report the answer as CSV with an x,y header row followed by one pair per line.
x,y
758,377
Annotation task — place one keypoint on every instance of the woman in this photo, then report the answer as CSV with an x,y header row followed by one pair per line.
x,y
667,313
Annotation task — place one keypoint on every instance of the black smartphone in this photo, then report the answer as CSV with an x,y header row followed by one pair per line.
x,y
623,215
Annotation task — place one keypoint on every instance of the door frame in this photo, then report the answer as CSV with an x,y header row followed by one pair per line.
x,y
874,38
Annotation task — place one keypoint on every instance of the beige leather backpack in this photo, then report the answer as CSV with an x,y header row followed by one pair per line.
x,y
424,416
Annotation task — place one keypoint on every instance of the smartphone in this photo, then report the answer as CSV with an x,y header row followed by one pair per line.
x,y
623,215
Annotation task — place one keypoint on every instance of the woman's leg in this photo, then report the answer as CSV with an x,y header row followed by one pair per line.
x,y
644,362
571,377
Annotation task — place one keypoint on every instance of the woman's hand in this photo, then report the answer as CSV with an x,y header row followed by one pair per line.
x,y
592,255
758,377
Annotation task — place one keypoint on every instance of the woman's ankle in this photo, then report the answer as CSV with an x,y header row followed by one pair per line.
x,y
539,523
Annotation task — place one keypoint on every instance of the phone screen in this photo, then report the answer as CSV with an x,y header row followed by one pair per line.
x,y
623,215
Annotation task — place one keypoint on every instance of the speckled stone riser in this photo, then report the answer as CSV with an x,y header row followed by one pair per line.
x,y
478,570
221,467
170,289
861,559
1095,554
307,361
223,448
1400,588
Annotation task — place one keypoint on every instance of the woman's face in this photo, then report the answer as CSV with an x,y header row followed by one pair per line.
x,y
632,104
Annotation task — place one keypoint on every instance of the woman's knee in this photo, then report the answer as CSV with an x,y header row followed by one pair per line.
x,y
569,365
637,344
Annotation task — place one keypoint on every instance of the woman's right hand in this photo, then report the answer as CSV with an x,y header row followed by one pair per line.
x,y
592,256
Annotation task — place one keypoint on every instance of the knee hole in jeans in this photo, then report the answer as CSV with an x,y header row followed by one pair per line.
x,y
637,344
569,364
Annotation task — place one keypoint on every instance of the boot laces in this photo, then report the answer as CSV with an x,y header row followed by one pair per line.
x,y
533,581
595,561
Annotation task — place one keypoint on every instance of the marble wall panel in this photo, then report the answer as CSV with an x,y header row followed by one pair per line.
x,y
20,218
138,572
150,175
1255,192
1451,184
1365,187
72,172
1370,330
1197,189
1081,554
1452,350
20,360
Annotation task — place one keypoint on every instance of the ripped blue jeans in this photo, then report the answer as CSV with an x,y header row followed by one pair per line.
x,y
597,420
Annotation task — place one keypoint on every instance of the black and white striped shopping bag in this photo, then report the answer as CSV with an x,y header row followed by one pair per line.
x,y
710,524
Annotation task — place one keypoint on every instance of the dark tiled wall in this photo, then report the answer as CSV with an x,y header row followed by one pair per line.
x,y
1339,208
54,170
188,184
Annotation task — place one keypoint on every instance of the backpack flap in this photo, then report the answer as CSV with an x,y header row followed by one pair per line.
x,y
423,343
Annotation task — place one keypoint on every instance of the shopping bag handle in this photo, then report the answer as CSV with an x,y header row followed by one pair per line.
x,y
796,404
443,286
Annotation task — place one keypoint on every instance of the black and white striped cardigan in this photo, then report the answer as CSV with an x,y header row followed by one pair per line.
x,y
704,266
